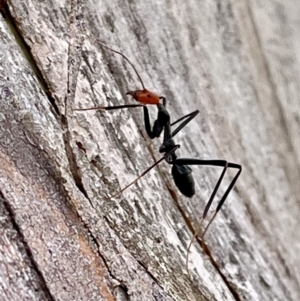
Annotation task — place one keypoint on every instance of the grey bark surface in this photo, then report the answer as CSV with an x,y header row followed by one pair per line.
x,y
61,235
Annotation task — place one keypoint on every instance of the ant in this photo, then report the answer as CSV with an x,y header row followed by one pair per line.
x,y
181,171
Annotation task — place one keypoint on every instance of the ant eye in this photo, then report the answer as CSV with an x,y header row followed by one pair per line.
x,y
149,95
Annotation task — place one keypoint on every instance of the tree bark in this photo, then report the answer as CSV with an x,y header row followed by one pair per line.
x,y
63,237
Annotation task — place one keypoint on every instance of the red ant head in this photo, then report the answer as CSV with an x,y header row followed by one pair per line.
x,y
145,97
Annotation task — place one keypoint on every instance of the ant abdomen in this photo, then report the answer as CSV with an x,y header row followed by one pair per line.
x,y
183,179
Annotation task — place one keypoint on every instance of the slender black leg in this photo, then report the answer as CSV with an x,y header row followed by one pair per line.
x,y
164,100
207,205
147,123
147,170
224,196
189,117
221,163
168,134
109,108
225,165
151,133
163,119
157,127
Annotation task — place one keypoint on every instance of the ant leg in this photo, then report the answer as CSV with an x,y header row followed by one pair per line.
x,y
147,123
204,215
190,244
157,128
225,165
230,165
221,163
109,108
189,117
164,100
147,170
158,124
140,176
162,121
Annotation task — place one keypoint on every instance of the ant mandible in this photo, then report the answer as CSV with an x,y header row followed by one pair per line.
x,y
181,171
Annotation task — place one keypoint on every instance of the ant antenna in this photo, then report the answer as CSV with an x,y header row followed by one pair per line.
x,y
124,57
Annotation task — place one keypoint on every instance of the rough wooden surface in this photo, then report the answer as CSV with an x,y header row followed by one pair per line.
x,y
62,238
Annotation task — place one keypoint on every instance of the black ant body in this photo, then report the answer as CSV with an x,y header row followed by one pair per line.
x,y
181,171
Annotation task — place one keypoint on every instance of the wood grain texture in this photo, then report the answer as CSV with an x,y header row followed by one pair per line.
x,y
236,61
